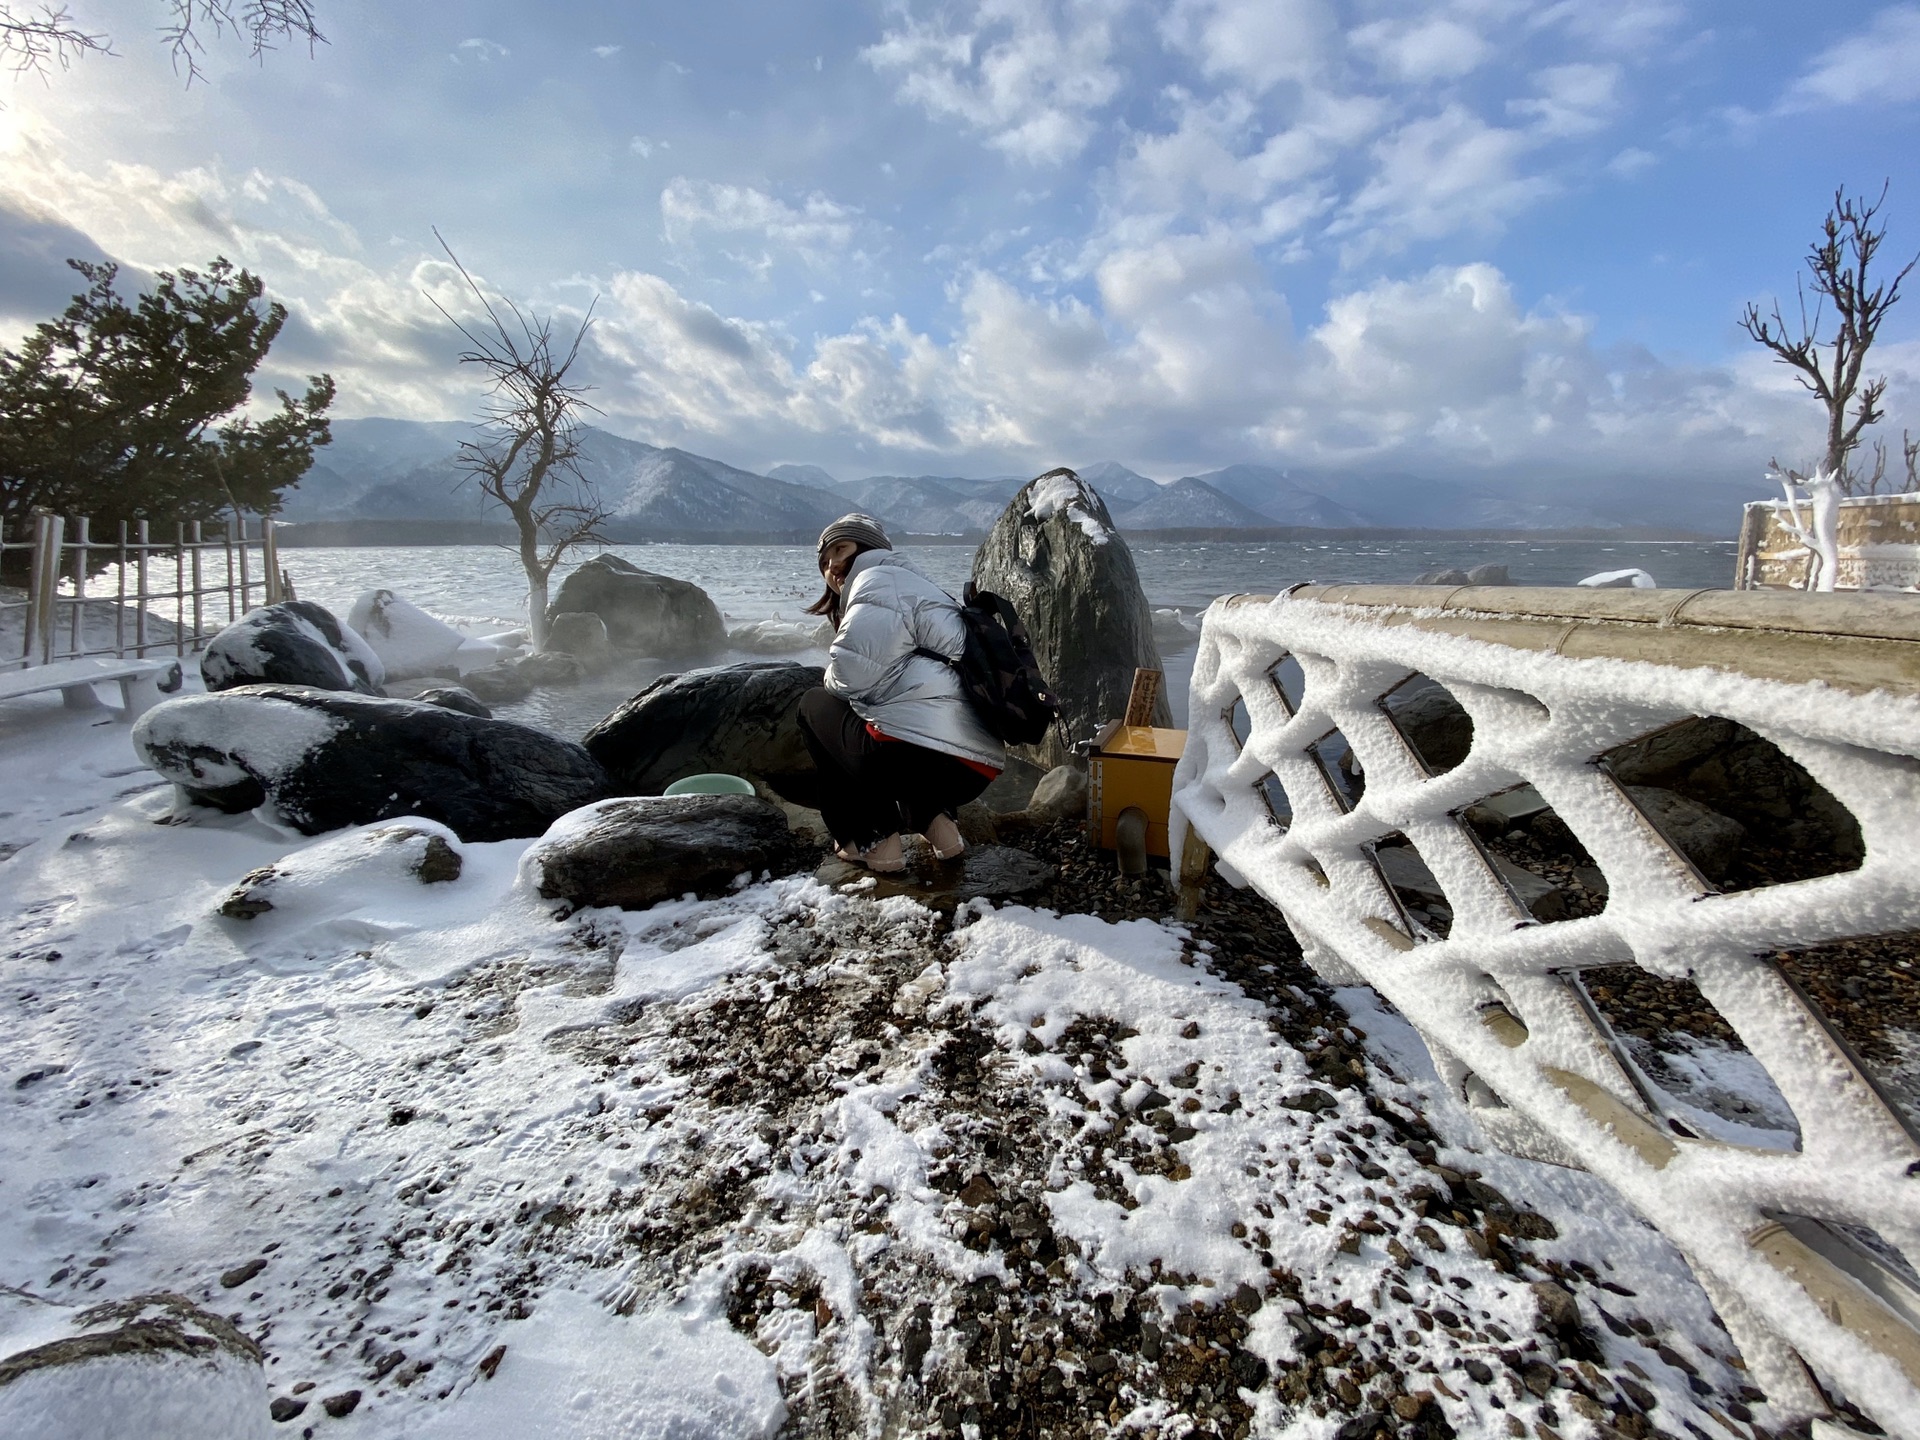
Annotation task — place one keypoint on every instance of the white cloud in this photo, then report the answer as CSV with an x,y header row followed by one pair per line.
x,y
477,49
1436,48
606,52
1880,65
1438,175
1630,162
1629,27
1258,42
1030,77
1573,100
817,228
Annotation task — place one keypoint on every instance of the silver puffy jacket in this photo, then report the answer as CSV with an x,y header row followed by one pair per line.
x,y
892,610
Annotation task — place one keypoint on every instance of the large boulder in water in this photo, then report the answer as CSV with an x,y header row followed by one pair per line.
x,y
736,719
645,613
293,643
408,640
1055,554
633,853
324,760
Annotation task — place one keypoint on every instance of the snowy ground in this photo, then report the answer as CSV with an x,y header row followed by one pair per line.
x,y
792,1159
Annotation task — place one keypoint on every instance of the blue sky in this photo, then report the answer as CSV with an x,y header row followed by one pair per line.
x,y
1487,237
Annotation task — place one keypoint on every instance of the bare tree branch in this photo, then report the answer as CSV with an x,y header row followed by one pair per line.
x,y
526,455
34,41
1831,370
30,44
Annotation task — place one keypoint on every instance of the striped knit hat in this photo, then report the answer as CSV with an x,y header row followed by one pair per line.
x,y
862,529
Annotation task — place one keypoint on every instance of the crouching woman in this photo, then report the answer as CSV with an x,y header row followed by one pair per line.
x,y
898,746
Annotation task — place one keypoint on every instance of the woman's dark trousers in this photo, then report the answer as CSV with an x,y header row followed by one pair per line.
x,y
869,788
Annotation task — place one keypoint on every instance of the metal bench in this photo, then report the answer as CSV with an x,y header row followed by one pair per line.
x,y
143,683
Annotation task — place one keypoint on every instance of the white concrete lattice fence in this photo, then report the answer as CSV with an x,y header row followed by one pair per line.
x,y
1806,1245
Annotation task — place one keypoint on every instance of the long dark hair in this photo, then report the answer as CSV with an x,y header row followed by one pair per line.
x,y
832,603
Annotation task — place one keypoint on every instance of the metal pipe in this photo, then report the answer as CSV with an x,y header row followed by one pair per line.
x,y
1130,840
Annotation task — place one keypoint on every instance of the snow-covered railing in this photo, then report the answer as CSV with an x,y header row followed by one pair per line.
x,y
134,593
1296,772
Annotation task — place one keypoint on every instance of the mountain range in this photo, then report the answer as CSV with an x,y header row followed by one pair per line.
x,y
379,470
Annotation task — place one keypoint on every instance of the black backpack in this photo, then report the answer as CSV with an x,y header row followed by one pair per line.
x,y
998,673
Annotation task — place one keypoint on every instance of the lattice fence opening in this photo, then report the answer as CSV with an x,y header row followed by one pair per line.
x,y
1420,874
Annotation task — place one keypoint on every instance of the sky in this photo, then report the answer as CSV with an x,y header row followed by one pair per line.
x,y
1496,238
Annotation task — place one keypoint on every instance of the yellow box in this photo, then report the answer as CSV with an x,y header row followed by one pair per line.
x,y
1132,765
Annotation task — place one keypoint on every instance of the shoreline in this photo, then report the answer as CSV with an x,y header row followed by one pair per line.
x,y
374,534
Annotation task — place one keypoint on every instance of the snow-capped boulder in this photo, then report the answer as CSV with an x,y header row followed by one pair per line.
x,y
645,613
293,643
635,852
319,761
778,637
156,1366
736,719
1630,579
407,639
1055,554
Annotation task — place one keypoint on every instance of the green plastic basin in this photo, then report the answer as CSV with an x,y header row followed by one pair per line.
x,y
712,784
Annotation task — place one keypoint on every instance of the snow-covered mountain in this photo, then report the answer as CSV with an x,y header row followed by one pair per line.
x,y
1282,501
408,470
1190,504
809,475
1119,486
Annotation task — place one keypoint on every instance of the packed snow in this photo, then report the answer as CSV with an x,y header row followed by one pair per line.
x,y
1052,493
696,1171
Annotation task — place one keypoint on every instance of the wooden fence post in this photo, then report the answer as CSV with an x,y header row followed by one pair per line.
x,y
43,585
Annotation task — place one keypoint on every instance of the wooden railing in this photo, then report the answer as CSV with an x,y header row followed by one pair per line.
x,y
1303,783
136,593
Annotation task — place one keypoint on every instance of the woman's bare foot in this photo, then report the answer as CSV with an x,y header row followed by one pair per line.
x,y
944,836
886,857
850,853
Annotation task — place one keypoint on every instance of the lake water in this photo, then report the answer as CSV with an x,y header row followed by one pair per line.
x,y
481,586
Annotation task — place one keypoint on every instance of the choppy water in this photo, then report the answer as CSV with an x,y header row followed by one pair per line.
x,y
761,582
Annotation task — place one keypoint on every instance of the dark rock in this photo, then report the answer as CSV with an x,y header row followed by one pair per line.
x,y
1448,576
498,684
342,1404
1488,575
233,1279
1436,725
1706,837
247,900
645,613
633,853
581,635
325,760
440,864
285,1408
1363,1426
738,720
1055,554
1060,795
456,697
293,643
550,667
1557,1308
1479,1372
990,872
